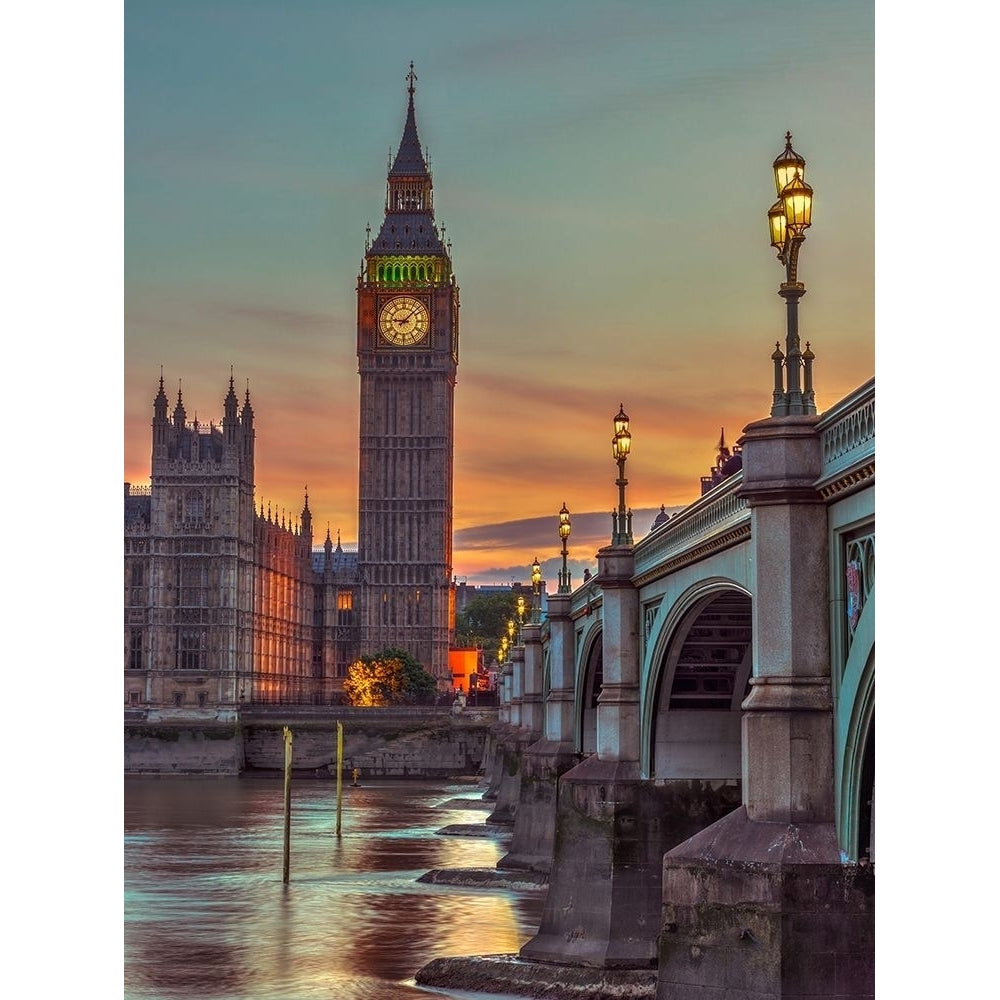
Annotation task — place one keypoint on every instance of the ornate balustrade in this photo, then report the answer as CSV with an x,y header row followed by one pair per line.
x,y
847,439
715,521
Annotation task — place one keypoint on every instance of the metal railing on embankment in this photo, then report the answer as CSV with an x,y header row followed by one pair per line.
x,y
334,713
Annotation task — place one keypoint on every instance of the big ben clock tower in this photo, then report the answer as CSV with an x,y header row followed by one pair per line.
x,y
407,360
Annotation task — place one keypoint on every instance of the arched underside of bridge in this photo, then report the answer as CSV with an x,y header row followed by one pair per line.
x,y
691,721
588,688
855,742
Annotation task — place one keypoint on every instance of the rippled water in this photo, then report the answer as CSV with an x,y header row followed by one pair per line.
x,y
207,913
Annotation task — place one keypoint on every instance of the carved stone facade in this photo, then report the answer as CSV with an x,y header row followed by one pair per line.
x,y
225,603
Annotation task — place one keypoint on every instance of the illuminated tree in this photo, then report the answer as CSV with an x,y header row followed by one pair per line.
x,y
390,677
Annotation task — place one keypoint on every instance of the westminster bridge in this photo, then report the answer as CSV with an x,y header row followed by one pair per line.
x,y
686,741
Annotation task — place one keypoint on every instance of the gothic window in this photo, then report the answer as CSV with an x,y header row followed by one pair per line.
x,y
395,273
345,607
178,699
191,643
135,649
202,699
194,508
137,582
192,583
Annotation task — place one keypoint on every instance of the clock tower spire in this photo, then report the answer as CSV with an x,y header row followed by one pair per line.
x,y
408,361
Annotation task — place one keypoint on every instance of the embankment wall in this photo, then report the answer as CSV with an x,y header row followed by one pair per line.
x,y
381,743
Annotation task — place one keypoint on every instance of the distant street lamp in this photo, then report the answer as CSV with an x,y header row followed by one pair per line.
x,y
520,617
510,632
564,528
536,592
788,219
621,445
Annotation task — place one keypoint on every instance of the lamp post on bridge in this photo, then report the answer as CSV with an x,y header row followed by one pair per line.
x,y
788,219
564,529
536,592
520,617
621,445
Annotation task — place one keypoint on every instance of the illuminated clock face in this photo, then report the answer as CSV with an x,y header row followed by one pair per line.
x,y
404,321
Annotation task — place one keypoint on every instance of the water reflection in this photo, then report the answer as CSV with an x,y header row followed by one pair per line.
x,y
207,915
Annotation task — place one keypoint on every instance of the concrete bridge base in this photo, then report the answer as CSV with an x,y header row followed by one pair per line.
x,y
533,841
511,751
765,911
509,975
604,900
499,735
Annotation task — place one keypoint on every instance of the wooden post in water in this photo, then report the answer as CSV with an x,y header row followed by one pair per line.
x,y
288,800
340,771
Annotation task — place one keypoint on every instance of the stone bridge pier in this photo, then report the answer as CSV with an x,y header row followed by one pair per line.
x,y
522,730
604,900
554,753
760,904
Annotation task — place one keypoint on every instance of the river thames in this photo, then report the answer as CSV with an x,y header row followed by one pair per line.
x,y
208,915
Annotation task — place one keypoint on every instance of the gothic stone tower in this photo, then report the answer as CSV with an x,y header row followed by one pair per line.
x,y
407,360
190,561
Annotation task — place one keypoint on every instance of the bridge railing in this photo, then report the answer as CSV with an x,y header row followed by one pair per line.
x,y
719,518
847,433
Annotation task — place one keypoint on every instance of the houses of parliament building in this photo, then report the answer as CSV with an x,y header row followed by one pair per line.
x,y
225,602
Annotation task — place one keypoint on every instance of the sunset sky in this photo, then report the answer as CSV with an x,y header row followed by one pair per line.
x,y
603,172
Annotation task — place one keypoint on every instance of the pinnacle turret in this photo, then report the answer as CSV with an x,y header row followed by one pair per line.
x,y
179,414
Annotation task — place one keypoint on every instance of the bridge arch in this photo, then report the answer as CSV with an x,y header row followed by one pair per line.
x,y
700,665
855,746
589,681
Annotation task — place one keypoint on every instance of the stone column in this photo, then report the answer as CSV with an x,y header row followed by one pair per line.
x,y
618,704
759,903
503,694
532,719
562,674
516,685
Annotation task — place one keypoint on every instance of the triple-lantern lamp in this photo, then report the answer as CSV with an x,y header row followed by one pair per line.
x,y
621,445
788,219
536,592
564,530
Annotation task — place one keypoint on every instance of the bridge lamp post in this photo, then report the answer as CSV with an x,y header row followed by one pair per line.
x,y
621,445
564,529
536,592
788,219
510,632
520,617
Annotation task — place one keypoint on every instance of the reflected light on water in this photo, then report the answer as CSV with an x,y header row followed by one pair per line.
x,y
207,915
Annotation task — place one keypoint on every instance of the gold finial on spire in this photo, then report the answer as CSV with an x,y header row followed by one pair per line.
x,y
411,76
